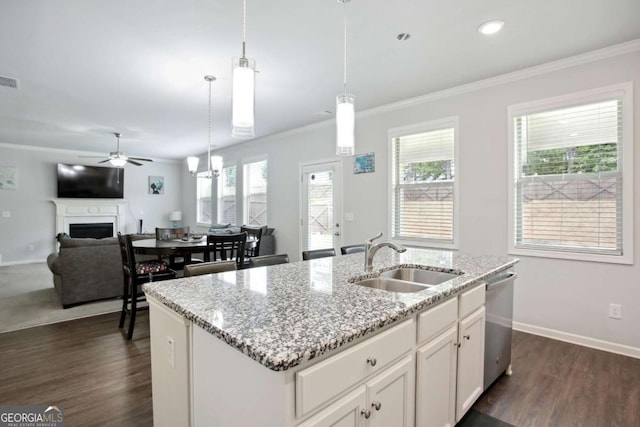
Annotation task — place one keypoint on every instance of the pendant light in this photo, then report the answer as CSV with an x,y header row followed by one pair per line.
x,y
345,109
243,90
214,163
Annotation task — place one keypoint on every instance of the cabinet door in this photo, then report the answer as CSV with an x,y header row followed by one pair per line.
x,y
470,361
345,412
436,388
390,396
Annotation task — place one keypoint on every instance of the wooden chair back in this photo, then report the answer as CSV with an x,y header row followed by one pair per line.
x,y
223,247
256,232
318,253
264,260
209,268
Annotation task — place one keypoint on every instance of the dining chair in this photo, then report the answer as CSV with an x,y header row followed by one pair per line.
x,y
256,232
135,274
209,268
264,260
351,249
226,247
318,253
174,233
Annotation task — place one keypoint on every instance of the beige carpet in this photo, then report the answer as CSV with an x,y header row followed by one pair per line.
x,y
27,299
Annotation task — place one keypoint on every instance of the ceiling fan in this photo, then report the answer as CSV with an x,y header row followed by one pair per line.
x,y
118,158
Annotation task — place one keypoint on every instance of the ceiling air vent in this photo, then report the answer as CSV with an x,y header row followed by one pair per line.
x,y
8,82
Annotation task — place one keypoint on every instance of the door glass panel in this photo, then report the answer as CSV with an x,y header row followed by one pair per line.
x,y
320,219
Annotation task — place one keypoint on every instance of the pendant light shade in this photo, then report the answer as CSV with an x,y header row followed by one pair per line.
x,y
243,101
216,165
345,124
192,164
345,109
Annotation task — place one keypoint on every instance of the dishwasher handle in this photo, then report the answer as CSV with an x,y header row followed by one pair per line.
x,y
500,280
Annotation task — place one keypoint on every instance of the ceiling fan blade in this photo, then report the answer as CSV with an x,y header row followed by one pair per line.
x,y
91,157
141,159
133,162
104,161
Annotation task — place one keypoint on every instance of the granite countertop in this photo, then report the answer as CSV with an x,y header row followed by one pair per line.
x,y
284,315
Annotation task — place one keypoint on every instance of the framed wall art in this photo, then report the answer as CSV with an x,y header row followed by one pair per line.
x,y
364,163
156,185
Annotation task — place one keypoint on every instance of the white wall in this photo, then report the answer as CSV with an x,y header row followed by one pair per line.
x,y
570,297
33,214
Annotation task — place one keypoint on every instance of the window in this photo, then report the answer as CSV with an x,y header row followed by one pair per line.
x,y
571,170
227,195
203,199
423,184
255,193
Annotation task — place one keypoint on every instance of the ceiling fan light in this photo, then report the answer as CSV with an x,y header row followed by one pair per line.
x,y
243,98
118,162
345,124
192,164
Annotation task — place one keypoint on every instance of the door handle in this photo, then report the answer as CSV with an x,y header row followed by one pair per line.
x,y
337,233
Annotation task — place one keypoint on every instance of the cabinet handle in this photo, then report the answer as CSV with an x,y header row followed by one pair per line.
x,y
376,405
467,336
366,413
372,361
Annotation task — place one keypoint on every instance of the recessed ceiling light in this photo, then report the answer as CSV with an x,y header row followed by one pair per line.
x,y
491,27
403,36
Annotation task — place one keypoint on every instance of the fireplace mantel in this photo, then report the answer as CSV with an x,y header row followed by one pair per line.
x,y
88,211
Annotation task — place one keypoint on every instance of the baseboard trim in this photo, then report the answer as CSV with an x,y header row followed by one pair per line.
x,y
611,347
30,261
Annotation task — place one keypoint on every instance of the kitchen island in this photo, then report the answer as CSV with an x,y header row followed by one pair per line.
x,y
301,344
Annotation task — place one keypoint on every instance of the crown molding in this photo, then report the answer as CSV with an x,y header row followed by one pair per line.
x,y
549,67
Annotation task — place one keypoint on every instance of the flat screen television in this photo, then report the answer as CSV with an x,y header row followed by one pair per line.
x,y
90,182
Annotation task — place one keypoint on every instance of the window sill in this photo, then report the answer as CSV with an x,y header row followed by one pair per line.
x,y
539,253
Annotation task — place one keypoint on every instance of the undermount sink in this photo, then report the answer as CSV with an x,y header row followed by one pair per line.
x,y
425,277
392,285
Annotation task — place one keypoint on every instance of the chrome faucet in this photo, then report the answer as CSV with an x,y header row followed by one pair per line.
x,y
370,250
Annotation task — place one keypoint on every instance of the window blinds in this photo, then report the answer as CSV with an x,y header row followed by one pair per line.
x,y
423,186
227,196
255,188
568,179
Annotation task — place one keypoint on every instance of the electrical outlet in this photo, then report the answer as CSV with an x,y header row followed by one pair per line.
x,y
6,214
348,216
171,351
31,248
615,311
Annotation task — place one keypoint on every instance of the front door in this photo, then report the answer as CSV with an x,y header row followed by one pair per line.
x,y
321,206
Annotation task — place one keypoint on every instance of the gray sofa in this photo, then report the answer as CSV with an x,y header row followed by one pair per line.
x,y
87,269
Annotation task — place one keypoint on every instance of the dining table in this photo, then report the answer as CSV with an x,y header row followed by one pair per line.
x,y
179,247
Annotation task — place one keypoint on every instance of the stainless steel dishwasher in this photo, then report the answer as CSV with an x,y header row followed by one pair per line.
x,y
498,327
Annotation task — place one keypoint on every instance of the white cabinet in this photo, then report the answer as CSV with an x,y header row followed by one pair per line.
x,y
450,367
470,361
436,380
384,400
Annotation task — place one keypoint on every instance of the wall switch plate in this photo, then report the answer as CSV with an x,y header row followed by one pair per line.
x,y
31,248
615,311
348,216
6,214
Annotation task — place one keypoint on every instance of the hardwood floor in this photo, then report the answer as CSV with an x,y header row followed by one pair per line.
x,y
560,384
86,366
101,379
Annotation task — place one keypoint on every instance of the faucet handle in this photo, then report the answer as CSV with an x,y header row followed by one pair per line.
x,y
370,241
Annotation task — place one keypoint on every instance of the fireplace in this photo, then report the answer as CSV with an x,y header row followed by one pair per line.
x,y
98,230
90,212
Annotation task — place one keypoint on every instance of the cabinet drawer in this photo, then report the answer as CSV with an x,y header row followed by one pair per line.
x,y
436,319
320,383
471,300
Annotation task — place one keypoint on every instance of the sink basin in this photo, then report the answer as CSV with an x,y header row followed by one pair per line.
x,y
425,277
392,285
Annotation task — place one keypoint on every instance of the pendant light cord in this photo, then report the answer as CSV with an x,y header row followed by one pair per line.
x,y
244,26
344,4
209,135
